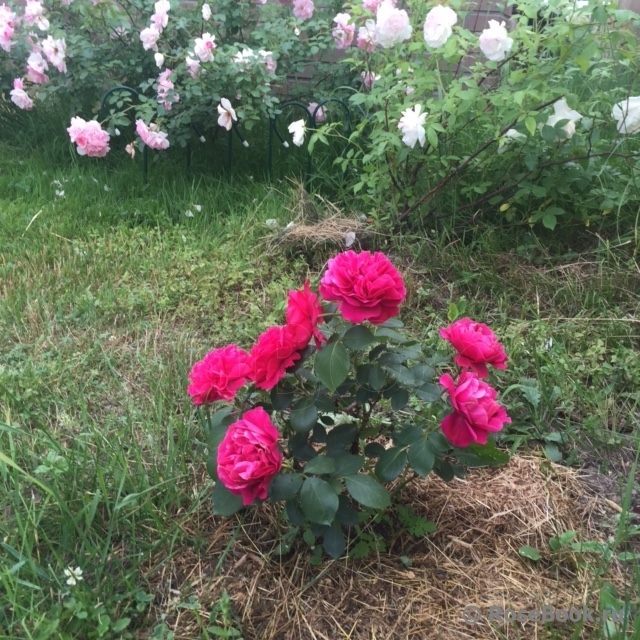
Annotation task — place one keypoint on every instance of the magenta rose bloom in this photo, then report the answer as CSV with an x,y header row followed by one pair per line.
x,y
219,375
276,350
475,410
303,313
248,456
477,346
366,286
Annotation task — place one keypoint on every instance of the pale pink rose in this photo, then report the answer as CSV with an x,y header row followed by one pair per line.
x,y
368,79
438,26
227,114
206,12
19,96
495,42
7,26
204,47
166,94
392,25
270,64
149,37
303,9
371,5
343,33
36,67
131,150
89,137
151,135
193,66
55,50
160,21
367,36
320,115
34,14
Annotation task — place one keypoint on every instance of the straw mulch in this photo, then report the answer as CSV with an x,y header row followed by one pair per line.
x,y
472,559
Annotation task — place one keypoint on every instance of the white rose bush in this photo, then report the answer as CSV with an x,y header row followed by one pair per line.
x,y
513,121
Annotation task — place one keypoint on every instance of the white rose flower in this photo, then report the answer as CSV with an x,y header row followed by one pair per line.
x,y
392,25
438,26
412,126
297,130
563,112
510,136
206,12
159,58
627,114
495,42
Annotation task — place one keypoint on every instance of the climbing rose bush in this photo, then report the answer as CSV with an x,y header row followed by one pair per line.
x,y
332,413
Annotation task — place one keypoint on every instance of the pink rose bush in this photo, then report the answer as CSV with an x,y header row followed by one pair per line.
x,y
291,415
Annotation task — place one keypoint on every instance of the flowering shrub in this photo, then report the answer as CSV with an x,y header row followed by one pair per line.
x,y
335,411
553,90
186,63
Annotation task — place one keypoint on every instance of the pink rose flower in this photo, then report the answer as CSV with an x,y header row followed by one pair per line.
x,y
277,349
151,135
89,137
392,25
249,456
367,36
303,9
7,26
343,33
34,14
320,115
166,94
36,67
19,96
368,79
193,65
149,37
475,410
371,5
219,375
366,286
477,346
303,314
55,51
204,47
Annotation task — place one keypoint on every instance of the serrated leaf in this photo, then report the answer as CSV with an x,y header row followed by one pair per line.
x,y
320,465
318,500
357,338
530,552
332,365
421,457
369,493
391,464
285,486
225,503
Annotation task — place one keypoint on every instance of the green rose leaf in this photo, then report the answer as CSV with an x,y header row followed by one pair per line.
x,y
318,500
285,486
357,338
333,542
422,374
407,435
281,397
401,374
368,492
341,437
320,465
391,464
332,365
225,503
422,457
399,399
428,392
347,465
217,427
304,415
391,335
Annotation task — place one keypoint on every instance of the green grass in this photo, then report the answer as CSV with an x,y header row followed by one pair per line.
x,y
108,295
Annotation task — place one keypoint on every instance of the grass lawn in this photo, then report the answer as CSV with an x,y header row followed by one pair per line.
x,y
109,291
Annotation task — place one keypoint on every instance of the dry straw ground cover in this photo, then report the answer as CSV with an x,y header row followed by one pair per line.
x,y
472,558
